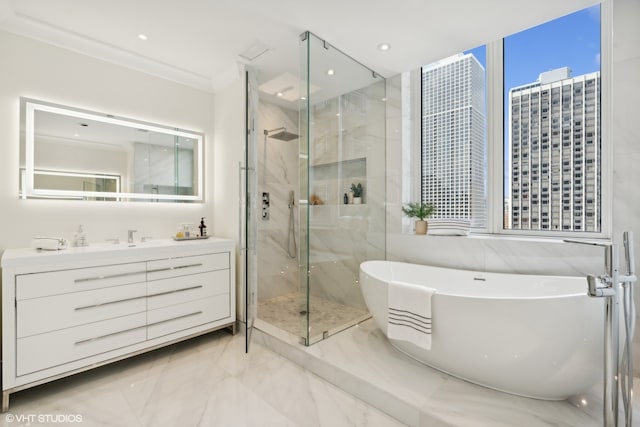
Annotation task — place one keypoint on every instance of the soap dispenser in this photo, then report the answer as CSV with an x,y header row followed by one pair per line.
x,y
80,237
203,228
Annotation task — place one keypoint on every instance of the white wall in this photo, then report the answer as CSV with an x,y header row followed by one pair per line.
x,y
229,152
626,134
41,71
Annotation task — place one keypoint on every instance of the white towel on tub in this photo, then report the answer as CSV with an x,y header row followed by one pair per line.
x,y
409,313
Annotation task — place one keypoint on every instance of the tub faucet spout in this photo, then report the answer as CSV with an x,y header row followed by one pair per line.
x,y
600,286
130,235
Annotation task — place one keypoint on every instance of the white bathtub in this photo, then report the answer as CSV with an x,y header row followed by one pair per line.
x,y
535,336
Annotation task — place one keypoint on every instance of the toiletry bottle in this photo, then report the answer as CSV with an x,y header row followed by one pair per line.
x,y
80,237
346,199
203,228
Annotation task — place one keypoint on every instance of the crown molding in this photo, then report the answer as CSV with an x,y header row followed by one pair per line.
x,y
38,30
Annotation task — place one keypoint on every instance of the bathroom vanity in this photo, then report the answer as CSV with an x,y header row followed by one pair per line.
x,y
68,311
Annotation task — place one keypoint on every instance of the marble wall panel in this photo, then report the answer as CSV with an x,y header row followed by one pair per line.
x,y
277,174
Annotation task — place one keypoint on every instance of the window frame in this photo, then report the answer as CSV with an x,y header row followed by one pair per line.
x,y
496,116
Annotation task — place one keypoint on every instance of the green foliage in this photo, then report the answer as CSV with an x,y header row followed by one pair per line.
x,y
357,190
418,210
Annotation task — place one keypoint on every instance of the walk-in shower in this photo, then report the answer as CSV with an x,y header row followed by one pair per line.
x,y
303,277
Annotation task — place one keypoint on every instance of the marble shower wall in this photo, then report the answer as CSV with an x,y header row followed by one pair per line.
x,y
277,174
510,254
346,147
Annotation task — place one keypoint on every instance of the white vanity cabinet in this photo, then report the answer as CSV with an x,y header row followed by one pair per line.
x,y
67,311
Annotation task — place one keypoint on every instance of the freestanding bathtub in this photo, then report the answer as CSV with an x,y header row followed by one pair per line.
x,y
535,336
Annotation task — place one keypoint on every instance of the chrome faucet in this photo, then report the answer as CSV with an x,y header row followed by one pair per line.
x,y
609,286
130,235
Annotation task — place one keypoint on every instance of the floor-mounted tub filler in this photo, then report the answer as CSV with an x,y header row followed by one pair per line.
x,y
535,336
615,287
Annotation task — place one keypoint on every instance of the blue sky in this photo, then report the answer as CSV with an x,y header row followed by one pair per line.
x,y
571,41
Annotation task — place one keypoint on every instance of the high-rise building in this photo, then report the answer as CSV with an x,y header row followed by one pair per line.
x,y
453,138
555,153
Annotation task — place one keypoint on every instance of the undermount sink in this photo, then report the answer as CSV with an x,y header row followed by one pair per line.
x,y
144,243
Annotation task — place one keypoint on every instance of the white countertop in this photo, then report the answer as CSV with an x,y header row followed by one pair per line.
x,y
118,253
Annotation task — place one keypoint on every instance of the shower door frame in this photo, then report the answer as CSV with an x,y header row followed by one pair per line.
x,y
248,226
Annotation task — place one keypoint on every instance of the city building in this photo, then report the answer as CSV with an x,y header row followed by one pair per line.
x,y
453,138
555,153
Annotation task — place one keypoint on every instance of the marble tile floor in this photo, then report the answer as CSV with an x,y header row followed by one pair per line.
x,y
325,317
206,381
361,361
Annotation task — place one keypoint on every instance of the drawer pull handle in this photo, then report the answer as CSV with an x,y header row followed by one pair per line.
x,y
195,313
108,335
190,288
109,302
177,267
108,276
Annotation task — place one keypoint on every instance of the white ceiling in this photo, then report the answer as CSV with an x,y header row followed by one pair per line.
x,y
198,42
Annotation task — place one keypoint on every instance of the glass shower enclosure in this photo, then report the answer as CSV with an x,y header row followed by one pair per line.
x,y
342,118
313,230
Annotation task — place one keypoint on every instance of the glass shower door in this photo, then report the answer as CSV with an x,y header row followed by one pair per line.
x,y
342,120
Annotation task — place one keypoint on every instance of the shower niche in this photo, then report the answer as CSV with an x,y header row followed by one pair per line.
x,y
338,127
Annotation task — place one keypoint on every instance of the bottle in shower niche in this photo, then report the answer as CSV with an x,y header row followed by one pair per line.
x,y
346,199
203,228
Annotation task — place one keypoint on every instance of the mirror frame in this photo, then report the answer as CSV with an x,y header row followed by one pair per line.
x,y
30,106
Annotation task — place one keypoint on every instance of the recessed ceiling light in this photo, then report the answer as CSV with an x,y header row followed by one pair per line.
x,y
331,71
280,94
384,46
303,98
142,36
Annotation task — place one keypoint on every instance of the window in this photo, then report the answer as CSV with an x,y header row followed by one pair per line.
x,y
549,115
561,58
453,156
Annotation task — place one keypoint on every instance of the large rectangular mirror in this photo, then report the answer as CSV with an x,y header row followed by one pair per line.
x,y
70,153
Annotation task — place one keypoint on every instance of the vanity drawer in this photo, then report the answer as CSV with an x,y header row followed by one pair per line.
x,y
81,279
181,266
177,290
39,315
43,351
167,320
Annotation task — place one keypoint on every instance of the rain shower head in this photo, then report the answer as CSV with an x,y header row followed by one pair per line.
x,y
283,135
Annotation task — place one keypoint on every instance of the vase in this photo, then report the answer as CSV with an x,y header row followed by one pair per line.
x,y
421,227
357,200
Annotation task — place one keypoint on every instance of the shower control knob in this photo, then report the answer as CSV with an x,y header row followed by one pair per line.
x,y
265,205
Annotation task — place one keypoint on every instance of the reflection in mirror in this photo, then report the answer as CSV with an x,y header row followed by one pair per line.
x,y
68,153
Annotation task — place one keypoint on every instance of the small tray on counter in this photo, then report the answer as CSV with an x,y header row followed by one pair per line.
x,y
190,238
